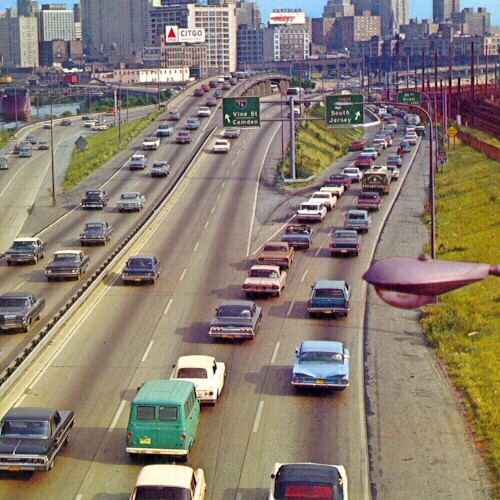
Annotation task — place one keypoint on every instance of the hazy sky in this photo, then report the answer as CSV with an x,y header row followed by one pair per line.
x,y
419,8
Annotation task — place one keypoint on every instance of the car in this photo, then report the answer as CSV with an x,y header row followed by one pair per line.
x,y
164,130
184,137
150,143
65,122
213,84
264,280
131,202
98,127
138,162
203,111
276,253
43,145
345,242
24,250
139,269
233,81
88,117
298,235
95,233
95,198
89,123
192,124
308,481
67,264
371,152
343,179
47,125
359,220
4,164
32,139
211,101
25,152
110,111
19,146
394,171
404,147
354,173
232,133
198,92
170,481
327,199
31,438
221,146
225,86
218,94
411,139
420,130
356,146
160,169
369,200
386,135
206,374
174,115
330,297
18,310
321,364
334,187
395,160
205,87
380,141
236,319
313,211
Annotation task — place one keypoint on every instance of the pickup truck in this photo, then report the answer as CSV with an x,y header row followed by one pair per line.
x,y
358,220
298,235
95,198
329,297
328,200
336,188
345,242
276,253
311,211
26,250
30,438
67,264
95,233
138,162
150,142
369,200
18,310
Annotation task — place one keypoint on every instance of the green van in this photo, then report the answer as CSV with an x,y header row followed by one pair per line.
x,y
164,419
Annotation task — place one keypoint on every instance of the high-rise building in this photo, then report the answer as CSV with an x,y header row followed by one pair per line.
x,y
28,8
166,15
55,22
248,15
442,10
473,23
338,8
19,40
393,13
353,29
250,35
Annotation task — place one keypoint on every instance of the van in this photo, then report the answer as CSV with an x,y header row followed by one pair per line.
x,y
164,419
275,88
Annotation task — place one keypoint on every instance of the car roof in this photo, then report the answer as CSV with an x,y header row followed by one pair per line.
x,y
237,303
165,475
59,252
358,212
262,266
304,473
17,295
23,413
27,239
160,391
321,345
195,360
329,284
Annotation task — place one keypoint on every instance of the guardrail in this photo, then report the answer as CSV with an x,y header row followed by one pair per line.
x,y
21,362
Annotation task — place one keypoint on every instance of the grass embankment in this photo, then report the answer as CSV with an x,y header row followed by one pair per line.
x,y
5,136
101,147
318,146
483,137
465,327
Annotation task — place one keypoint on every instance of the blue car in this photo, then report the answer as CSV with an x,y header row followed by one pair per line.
x,y
321,364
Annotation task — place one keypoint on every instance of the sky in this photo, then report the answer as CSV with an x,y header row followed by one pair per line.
x,y
422,9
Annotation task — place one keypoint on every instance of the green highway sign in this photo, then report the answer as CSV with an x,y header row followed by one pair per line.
x,y
342,110
241,112
412,98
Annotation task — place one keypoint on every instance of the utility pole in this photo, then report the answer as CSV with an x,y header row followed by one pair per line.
x,y
472,82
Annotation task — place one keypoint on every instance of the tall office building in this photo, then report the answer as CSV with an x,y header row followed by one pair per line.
x,y
56,23
28,8
393,14
442,10
250,35
248,14
19,40
338,8
166,15
473,23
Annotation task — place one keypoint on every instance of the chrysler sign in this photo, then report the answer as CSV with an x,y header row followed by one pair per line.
x,y
174,34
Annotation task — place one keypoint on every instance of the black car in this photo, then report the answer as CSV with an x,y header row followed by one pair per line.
x,y
67,264
30,438
65,122
95,233
18,310
95,198
236,319
198,93
141,269
160,169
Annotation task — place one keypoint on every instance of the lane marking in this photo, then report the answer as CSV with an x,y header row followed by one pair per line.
x,y
275,352
274,234
117,415
317,252
258,417
218,196
206,225
223,184
21,284
304,276
196,246
183,274
227,173
213,210
290,307
137,183
168,307
146,352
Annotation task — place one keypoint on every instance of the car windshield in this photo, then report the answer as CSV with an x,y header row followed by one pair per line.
x,y
162,493
93,194
345,234
192,373
263,273
234,312
320,357
34,429
275,248
93,226
13,302
139,264
65,257
305,206
296,230
329,293
128,196
23,244
322,195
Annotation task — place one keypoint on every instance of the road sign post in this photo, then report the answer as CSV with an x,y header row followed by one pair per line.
x,y
241,112
344,110
411,98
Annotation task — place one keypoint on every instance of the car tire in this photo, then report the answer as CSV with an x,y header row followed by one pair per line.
x,y
35,260
49,279
27,328
9,263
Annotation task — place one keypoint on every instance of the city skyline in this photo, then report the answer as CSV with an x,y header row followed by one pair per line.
x,y
417,10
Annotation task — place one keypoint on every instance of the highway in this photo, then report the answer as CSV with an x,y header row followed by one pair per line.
x,y
207,236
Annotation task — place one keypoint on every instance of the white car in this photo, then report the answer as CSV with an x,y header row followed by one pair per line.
x,y
335,188
204,111
206,374
354,173
371,152
311,211
411,138
328,200
99,126
170,481
394,172
380,140
221,146
47,125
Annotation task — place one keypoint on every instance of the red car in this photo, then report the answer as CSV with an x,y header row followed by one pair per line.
x,y
343,179
363,161
356,146
111,111
205,87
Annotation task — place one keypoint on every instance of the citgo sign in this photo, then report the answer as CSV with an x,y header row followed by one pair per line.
x,y
174,34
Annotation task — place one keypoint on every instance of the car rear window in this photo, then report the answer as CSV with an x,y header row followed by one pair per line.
x,y
161,493
168,413
330,293
192,373
145,413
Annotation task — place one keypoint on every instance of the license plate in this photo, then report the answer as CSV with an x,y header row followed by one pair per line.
x,y
320,382
260,288
343,251
230,336
145,440
14,468
328,312
137,279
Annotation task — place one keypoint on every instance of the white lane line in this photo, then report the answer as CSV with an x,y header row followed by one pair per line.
x,y
213,210
238,497
117,415
304,276
258,417
137,183
183,274
21,284
146,352
317,252
227,173
168,307
290,307
206,225
279,230
275,352
223,184
78,497
218,196
196,246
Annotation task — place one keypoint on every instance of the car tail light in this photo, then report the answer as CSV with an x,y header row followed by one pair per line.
x,y
183,436
275,287
309,303
211,393
332,245
129,435
358,246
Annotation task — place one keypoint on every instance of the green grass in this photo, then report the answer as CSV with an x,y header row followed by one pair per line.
x,y
482,136
465,327
5,136
101,147
318,146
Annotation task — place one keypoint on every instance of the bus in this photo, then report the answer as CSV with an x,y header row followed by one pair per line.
x,y
294,91
376,179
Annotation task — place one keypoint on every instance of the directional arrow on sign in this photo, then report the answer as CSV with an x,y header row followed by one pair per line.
x,y
227,118
357,116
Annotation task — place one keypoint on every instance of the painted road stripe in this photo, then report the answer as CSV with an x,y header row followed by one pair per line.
x,y
258,417
196,246
168,307
146,352
183,274
317,252
304,276
213,210
206,225
275,352
290,308
117,415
